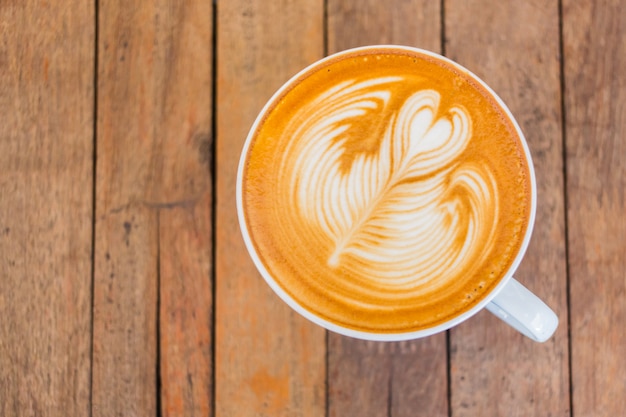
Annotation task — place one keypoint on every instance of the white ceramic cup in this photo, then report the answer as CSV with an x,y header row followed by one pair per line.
x,y
509,300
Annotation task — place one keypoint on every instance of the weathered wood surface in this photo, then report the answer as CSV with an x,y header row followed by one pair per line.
x,y
594,71
125,287
152,341
46,194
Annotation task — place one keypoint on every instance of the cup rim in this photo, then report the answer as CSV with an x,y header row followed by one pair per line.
x,y
373,336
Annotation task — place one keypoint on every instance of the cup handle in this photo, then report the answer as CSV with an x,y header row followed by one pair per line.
x,y
524,311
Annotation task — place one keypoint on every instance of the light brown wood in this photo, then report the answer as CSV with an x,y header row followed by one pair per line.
x,y
46,165
369,22
369,378
106,294
186,317
387,378
126,240
514,47
269,360
153,210
595,114
185,212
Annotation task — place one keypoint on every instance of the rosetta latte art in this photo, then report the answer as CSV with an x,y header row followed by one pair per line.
x,y
385,191
395,202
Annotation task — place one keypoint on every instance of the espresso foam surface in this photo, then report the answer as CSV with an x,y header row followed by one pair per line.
x,y
386,192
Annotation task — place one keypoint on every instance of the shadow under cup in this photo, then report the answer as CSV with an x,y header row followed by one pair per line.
x,y
386,193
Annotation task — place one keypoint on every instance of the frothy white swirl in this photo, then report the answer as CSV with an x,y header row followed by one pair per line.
x,y
406,212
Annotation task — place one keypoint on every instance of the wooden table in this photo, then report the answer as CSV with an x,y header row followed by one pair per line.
x,y
125,288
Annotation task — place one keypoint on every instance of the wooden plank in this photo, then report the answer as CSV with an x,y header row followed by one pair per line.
x,y
185,211
153,210
514,47
370,22
46,166
269,361
186,316
595,109
387,378
126,245
369,378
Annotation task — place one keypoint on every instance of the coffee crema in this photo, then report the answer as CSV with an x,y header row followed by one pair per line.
x,y
386,191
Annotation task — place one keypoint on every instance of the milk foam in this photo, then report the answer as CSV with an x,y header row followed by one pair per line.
x,y
396,217
385,192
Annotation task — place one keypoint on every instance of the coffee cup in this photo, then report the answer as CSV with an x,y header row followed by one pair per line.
x,y
387,193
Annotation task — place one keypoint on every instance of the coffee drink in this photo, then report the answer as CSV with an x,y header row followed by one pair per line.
x,y
385,190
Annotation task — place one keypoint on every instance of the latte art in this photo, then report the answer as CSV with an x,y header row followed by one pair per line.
x,y
399,215
384,191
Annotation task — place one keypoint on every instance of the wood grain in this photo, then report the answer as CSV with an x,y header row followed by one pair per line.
x,y
369,22
387,378
153,210
595,110
145,69
369,378
46,165
186,317
185,211
514,47
269,360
